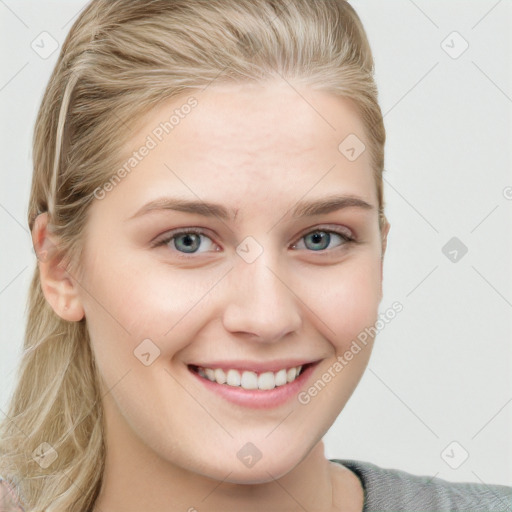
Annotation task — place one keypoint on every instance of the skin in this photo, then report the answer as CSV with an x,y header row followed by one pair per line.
x,y
172,444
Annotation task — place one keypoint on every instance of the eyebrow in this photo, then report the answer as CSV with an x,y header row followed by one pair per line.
x,y
302,209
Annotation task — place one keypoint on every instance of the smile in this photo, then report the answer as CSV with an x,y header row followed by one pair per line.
x,y
264,381
255,385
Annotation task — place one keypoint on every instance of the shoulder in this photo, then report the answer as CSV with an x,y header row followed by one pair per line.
x,y
9,501
399,491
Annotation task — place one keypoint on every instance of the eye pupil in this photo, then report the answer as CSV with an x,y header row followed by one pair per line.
x,y
319,237
191,242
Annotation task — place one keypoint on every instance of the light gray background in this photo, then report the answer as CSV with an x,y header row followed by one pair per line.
x,y
441,370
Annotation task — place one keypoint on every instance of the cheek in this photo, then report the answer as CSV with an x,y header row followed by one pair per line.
x,y
346,304
132,295
129,301
344,298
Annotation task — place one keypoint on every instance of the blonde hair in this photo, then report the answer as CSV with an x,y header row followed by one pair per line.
x,y
120,59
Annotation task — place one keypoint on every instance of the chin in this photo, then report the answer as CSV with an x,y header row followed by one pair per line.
x,y
269,467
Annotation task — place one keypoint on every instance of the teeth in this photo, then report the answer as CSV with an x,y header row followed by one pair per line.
x,y
266,380
220,376
251,380
280,378
233,378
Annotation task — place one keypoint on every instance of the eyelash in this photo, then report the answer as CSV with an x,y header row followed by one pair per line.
x,y
174,234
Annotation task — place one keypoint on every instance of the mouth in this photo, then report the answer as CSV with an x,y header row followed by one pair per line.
x,y
253,385
251,380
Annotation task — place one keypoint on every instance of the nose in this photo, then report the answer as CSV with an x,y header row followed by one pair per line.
x,y
261,304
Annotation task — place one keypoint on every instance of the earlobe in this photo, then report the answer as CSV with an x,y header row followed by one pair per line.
x,y
58,288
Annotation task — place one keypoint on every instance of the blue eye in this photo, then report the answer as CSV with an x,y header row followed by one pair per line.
x,y
190,241
319,240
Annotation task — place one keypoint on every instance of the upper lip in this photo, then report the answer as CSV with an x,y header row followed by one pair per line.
x,y
258,367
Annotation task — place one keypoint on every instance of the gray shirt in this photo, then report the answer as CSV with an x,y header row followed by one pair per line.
x,y
392,490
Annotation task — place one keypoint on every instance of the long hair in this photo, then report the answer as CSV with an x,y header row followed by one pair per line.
x,y
120,59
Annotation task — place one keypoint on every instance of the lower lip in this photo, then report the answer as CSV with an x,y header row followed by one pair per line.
x,y
257,398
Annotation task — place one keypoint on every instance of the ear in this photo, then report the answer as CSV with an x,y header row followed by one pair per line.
x,y
384,238
59,289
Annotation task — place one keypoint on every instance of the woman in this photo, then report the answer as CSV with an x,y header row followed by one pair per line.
x,y
207,211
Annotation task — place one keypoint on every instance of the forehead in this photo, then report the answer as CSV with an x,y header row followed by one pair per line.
x,y
251,142
266,120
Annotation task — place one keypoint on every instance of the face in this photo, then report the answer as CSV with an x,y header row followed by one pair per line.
x,y
256,282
